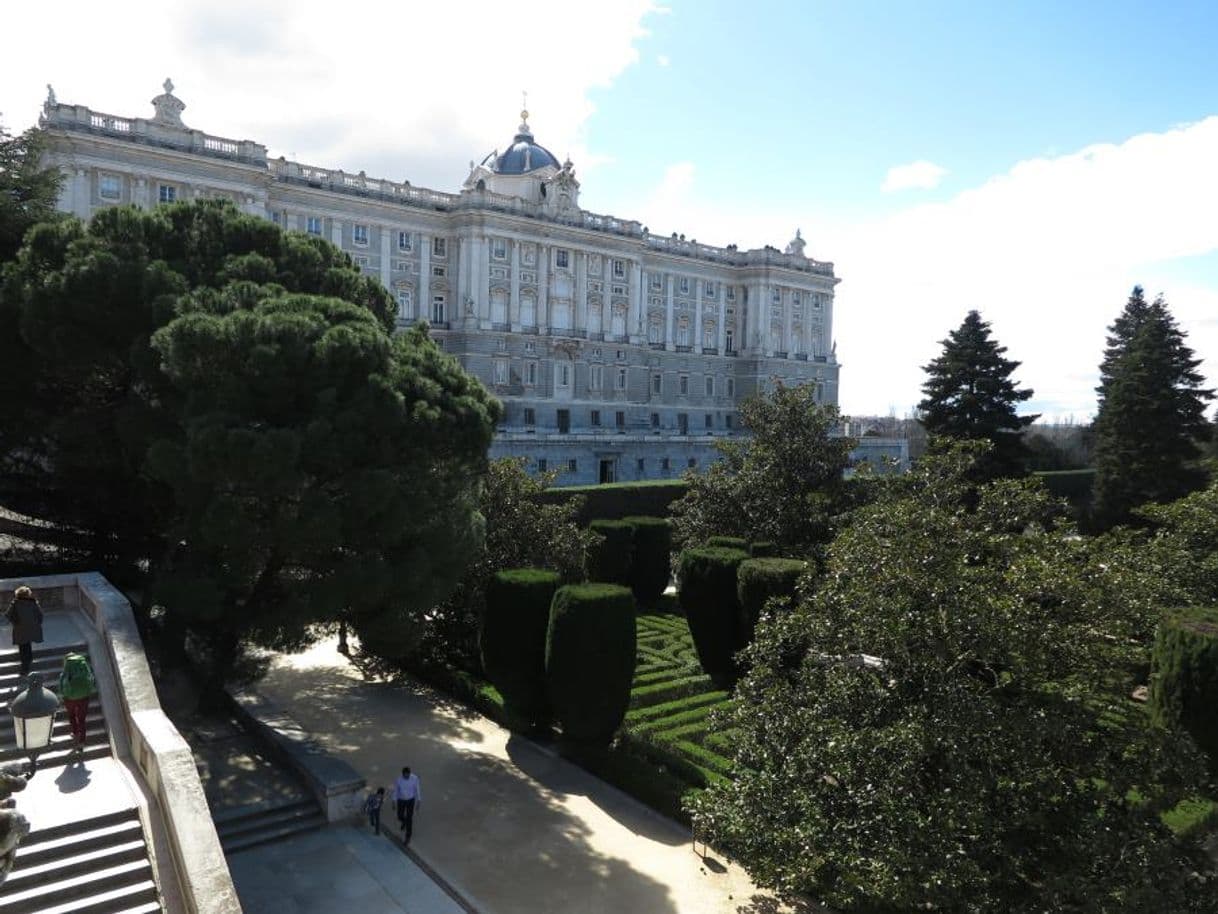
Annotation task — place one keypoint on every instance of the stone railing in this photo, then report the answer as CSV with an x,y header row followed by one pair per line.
x,y
160,754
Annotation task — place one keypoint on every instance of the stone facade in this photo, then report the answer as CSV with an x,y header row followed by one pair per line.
x,y
618,354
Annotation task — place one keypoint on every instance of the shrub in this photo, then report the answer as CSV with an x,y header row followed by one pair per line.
x,y
1184,682
729,542
764,549
757,580
615,500
611,559
512,641
652,558
708,596
590,652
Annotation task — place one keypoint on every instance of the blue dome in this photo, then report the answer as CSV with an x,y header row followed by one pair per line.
x,y
523,156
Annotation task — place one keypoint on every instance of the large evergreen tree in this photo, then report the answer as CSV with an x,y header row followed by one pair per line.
x,y
969,394
28,189
1151,413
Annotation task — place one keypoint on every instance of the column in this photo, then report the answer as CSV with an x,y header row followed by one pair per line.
x,y
721,326
634,316
290,222
81,204
543,289
827,323
423,306
464,254
514,301
484,281
336,233
668,309
757,306
787,308
699,292
385,264
580,306
139,192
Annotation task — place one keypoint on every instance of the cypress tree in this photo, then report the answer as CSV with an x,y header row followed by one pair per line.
x,y
1151,413
969,394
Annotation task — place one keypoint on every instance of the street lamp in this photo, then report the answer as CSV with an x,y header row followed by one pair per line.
x,y
33,717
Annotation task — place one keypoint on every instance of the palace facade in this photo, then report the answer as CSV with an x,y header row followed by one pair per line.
x,y
618,354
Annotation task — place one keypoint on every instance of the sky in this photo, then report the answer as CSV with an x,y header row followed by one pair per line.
x,y
1032,160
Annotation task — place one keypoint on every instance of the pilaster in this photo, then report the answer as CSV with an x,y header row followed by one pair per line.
x,y
543,288
634,317
699,292
386,273
514,301
424,303
669,329
580,306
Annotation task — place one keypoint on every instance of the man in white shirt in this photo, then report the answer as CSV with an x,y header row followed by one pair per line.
x,y
407,795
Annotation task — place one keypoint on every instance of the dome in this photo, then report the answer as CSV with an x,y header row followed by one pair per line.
x,y
523,156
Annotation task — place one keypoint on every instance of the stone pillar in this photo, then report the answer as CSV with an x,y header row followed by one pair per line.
x,y
543,289
634,316
385,263
758,303
514,301
81,203
336,233
788,306
423,305
139,192
580,307
722,325
699,292
668,311
484,281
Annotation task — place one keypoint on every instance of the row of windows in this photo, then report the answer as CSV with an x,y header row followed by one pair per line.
x,y
543,465
619,419
110,187
596,373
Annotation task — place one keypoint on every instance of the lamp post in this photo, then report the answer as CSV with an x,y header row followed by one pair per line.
x,y
33,717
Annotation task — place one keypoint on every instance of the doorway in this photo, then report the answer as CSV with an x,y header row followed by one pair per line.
x,y
608,471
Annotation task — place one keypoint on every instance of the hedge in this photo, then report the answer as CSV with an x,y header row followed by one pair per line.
x,y
611,560
708,596
729,542
512,640
764,549
652,556
1184,679
615,500
590,652
757,580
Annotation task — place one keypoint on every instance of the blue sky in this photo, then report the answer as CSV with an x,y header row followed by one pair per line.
x,y
1032,160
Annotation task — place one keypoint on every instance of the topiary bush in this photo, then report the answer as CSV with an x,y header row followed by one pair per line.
x,y
764,549
1184,677
708,596
757,580
729,542
652,558
590,654
512,641
611,560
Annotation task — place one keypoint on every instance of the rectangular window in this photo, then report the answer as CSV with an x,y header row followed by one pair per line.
x,y
657,282
313,225
731,387
731,293
619,290
530,346
359,234
620,355
619,419
664,464
640,465
110,187
620,383
683,423
776,296
710,289
710,386
437,309
530,374
404,302
542,466
530,416
360,261
795,298
727,421
595,376
167,193
501,371
401,266
572,466
655,420
619,269
277,218
683,385
684,285
439,247
595,418
438,272
562,258
710,421
729,341
499,249
657,383
405,241
692,462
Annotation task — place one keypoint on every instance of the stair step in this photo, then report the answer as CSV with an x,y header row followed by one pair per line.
x,y
223,817
234,828
79,860
69,845
76,886
80,827
136,898
232,845
12,655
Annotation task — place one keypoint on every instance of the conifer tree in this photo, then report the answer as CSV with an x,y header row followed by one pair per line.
x,y
1151,413
970,395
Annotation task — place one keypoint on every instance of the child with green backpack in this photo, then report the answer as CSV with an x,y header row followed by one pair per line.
x,y
76,687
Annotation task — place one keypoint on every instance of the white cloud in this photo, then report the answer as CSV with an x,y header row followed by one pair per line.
x,y
921,175
663,60
399,90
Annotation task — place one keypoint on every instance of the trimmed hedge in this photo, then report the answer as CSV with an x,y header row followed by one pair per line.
x,y
615,500
757,580
729,542
512,640
611,561
590,654
1184,681
708,596
763,550
652,558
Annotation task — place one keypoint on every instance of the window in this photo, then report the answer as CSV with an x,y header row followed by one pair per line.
x,y
640,465
710,386
595,377
564,374
710,421
653,333
595,418
542,466
405,241
110,187
657,281
795,298
729,340
619,290
404,302
360,261
530,374
731,293
619,269
657,383
437,309
619,419
572,466
439,247
277,218
359,234
684,286
683,423
501,371
692,462
731,387
621,355
683,385
313,225
530,418
816,301
620,383
401,266
710,289
655,420
562,258
530,346
776,296
683,333
664,464
499,249
439,272
727,421
167,193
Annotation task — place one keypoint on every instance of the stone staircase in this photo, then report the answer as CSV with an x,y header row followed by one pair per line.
x,y
243,827
49,662
97,866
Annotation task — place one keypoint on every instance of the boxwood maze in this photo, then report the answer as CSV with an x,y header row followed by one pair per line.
x,y
671,702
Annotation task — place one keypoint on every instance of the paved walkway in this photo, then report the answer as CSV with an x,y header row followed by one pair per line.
x,y
512,828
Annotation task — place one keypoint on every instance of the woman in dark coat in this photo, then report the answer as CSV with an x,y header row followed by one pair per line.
x,y
25,616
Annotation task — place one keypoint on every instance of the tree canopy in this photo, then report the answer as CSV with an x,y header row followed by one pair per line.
x,y
28,189
969,394
943,725
1151,413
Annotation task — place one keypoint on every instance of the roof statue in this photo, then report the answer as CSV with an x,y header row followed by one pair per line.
x,y
168,107
797,245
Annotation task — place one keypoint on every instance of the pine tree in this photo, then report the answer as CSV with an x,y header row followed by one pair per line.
x,y
1151,413
970,394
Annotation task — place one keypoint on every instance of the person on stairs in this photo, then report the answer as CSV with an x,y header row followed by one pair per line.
x,y
25,616
76,686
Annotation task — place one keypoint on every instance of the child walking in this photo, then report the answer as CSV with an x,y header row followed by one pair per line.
x,y
76,686
372,806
